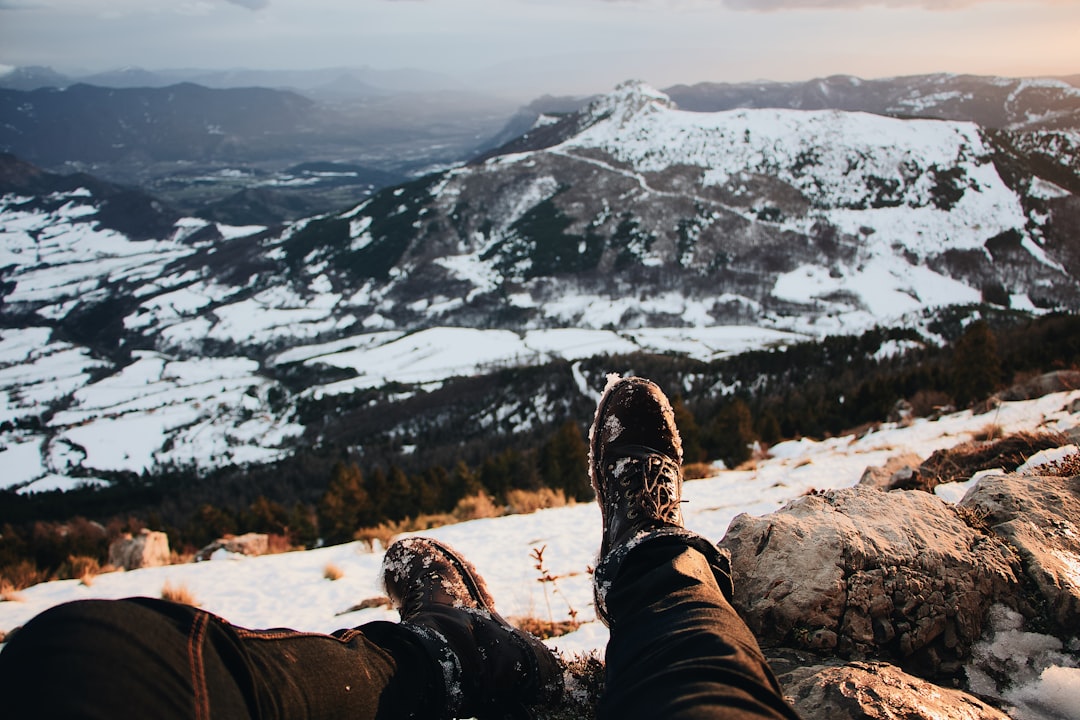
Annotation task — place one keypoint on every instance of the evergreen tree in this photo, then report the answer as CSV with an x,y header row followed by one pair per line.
x,y
345,506
976,365
564,462
401,500
693,452
731,433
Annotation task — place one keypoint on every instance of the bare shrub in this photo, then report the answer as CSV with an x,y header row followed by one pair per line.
x,y
332,572
178,594
523,502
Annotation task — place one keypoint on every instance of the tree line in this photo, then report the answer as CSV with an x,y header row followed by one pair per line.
x,y
327,492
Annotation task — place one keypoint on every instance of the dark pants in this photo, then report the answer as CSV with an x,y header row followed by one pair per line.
x,y
677,650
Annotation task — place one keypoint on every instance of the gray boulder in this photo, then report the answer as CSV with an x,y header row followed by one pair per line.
x,y
247,544
864,574
1040,517
879,691
146,549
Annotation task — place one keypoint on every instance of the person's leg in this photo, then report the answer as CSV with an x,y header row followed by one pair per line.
x,y
143,657
677,648
452,655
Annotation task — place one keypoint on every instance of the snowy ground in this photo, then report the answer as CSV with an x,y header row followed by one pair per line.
x,y
290,590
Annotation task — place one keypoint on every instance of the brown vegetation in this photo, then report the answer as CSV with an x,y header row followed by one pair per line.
x,y
959,463
178,594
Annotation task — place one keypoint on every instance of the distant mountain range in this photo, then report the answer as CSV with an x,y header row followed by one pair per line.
x,y
325,83
626,225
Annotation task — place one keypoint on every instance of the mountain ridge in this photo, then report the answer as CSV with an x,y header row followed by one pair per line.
x,y
646,229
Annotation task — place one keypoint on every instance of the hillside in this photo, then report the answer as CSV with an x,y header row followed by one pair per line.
x,y
628,227
251,591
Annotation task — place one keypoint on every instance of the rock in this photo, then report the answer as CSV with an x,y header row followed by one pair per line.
x,y
861,573
1052,382
247,544
880,691
1040,517
883,477
147,549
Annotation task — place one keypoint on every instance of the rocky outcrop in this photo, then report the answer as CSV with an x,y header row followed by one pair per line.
x,y
247,544
1039,517
865,574
879,691
896,470
146,549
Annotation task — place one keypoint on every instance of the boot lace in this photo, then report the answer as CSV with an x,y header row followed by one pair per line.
x,y
648,486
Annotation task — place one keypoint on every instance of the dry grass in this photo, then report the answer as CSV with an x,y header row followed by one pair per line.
x,y
476,507
383,534
1067,466
988,432
21,574
698,471
374,602
332,572
544,629
523,502
964,460
8,592
178,594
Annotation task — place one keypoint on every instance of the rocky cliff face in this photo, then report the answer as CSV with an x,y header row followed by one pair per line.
x,y
866,598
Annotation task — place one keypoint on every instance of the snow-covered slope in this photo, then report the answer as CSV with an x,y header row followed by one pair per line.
x,y
633,226
290,590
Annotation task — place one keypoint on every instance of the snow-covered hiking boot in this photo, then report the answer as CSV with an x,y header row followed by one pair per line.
x,y
635,464
490,668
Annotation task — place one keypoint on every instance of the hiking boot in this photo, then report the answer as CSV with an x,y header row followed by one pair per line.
x,y
635,461
490,668
635,464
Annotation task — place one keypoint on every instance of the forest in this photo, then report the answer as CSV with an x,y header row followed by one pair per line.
x,y
729,409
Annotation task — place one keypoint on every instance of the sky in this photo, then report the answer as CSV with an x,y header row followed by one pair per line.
x,y
525,47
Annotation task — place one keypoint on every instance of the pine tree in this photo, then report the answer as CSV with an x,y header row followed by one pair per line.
x,y
345,506
564,462
689,431
731,433
976,365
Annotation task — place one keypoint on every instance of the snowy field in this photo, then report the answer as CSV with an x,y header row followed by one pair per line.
x,y
290,590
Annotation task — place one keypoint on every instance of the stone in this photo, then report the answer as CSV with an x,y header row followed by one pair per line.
x,y
866,574
145,549
879,691
883,477
1046,384
248,544
1039,516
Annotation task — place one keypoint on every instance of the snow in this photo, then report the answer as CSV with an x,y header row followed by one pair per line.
x,y
252,591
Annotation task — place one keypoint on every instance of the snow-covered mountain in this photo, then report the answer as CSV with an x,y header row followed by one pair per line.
x,y
629,226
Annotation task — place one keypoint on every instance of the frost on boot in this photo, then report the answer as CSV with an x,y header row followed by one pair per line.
x,y
490,668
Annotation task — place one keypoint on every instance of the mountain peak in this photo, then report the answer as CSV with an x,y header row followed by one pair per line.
x,y
627,100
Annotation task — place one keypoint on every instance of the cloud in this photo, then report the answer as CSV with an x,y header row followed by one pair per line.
x,y
250,4
768,5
